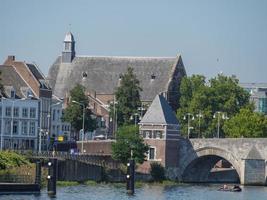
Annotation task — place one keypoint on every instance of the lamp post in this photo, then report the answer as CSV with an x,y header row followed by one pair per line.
x,y
219,115
135,118
114,116
83,121
49,118
199,115
2,123
188,116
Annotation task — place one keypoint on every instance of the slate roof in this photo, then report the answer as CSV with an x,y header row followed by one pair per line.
x,y
11,79
103,73
159,112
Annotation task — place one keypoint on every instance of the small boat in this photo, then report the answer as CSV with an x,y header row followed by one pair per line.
x,y
226,188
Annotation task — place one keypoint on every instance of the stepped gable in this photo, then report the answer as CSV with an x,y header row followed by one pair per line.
x,y
159,112
103,73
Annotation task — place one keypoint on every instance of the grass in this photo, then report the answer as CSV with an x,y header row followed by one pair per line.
x,y
67,183
90,182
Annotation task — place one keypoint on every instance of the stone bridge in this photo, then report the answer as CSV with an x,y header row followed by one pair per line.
x,y
246,155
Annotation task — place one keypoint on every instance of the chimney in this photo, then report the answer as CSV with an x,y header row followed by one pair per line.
x,y
10,59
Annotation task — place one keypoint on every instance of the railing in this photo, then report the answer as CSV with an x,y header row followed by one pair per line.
x,y
12,178
93,159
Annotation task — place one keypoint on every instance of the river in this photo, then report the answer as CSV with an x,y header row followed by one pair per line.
x,y
146,192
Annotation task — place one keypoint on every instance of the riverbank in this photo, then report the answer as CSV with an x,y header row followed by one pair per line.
x,y
138,184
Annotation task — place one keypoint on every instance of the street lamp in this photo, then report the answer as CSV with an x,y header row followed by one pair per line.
x,y
1,123
199,115
114,116
49,119
135,118
83,121
219,115
188,116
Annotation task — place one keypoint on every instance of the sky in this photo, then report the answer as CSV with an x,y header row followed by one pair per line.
x,y
212,36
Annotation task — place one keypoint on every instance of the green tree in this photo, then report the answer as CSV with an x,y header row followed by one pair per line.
x,y
129,139
246,123
74,112
221,93
127,98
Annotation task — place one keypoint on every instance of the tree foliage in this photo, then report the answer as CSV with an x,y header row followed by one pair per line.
x,y
129,139
74,112
246,123
127,98
9,159
221,93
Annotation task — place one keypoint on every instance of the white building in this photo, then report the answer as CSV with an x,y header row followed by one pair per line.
x,y
58,127
19,123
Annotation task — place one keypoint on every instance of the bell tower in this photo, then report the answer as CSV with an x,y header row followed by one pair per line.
x,y
68,52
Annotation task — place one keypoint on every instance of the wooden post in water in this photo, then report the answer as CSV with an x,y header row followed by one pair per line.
x,y
52,177
38,172
130,177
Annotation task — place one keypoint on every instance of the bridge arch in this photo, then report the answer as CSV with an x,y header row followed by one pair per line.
x,y
196,168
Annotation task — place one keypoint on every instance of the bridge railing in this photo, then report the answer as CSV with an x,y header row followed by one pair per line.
x,y
94,159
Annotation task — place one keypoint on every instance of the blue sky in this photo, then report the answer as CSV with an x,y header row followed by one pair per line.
x,y
213,36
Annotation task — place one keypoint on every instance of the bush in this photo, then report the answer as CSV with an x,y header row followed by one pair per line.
x,y
9,159
157,172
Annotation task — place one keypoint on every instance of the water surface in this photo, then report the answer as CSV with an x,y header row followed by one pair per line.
x,y
146,192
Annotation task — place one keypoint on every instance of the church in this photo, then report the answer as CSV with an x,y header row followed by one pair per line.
x,y
100,75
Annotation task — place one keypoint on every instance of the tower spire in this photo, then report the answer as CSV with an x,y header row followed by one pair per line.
x,y
68,52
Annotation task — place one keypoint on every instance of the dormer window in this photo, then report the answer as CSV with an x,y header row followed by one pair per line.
x,y
29,94
84,75
153,77
13,93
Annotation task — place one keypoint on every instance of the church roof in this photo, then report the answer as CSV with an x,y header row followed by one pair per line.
x,y
103,73
69,37
159,112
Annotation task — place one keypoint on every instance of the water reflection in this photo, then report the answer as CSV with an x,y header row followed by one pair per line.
x,y
147,192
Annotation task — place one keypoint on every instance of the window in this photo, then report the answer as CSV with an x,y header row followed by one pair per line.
x,y
32,128
15,127
58,114
16,112
151,153
54,115
32,112
7,127
24,127
158,134
0,111
24,112
12,93
67,46
8,111
148,134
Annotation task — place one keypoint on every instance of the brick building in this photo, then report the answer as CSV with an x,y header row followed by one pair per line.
x,y
161,131
100,75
